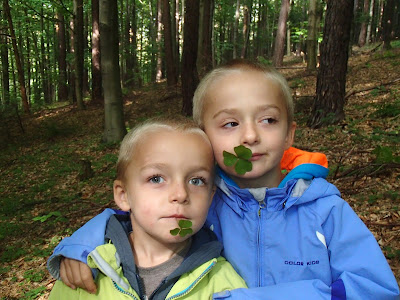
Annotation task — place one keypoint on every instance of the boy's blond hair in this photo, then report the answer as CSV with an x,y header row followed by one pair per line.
x,y
237,66
135,136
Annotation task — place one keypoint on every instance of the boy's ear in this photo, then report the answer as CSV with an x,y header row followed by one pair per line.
x,y
290,135
121,195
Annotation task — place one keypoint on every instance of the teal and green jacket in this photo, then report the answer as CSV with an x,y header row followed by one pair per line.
x,y
202,273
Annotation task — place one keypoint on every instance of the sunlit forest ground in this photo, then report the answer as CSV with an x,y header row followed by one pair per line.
x,y
45,194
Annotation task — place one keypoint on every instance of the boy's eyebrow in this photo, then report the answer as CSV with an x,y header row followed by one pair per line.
x,y
164,166
234,110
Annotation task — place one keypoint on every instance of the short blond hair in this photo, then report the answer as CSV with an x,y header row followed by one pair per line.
x,y
237,66
135,136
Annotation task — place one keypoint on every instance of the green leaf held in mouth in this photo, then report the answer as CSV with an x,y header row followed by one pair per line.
x,y
183,229
241,160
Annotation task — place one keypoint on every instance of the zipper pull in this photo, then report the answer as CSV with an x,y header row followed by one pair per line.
x,y
261,206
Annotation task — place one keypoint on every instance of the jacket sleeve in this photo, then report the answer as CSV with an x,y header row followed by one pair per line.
x,y
359,269
81,243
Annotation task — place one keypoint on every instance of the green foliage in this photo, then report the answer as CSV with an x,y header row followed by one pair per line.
x,y
392,253
384,155
44,218
52,130
183,229
388,110
12,253
241,160
34,276
35,293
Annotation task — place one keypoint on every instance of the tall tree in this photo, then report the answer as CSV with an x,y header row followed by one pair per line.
x,y
246,30
369,27
114,126
364,21
279,49
62,56
328,107
5,77
159,73
169,53
97,95
204,58
387,23
190,77
312,41
21,76
78,39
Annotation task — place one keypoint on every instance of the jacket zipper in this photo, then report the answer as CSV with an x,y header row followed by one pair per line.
x,y
259,264
194,283
124,292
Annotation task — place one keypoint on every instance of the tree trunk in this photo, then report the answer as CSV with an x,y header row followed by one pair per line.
x,y
387,24
97,95
21,77
62,56
279,49
159,73
312,41
328,107
204,59
78,39
5,78
236,29
363,30
371,17
114,126
169,53
246,30
190,77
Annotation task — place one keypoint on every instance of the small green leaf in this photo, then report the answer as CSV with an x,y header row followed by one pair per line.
x,y
243,152
243,166
185,231
175,231
185,223
229,159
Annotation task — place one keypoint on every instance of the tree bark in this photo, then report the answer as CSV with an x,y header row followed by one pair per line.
x,y
97,94
204,59
279,49
387,24
5,78
312,41
236,29
114,126
363,29
159,73
246,30
169,53
78,39
369,27
190,77
21,77
328,107
62,56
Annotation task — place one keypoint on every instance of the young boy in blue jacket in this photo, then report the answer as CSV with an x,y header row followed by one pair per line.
x,y
284,228
160,250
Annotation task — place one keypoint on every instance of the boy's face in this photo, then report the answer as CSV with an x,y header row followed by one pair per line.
x,y
169,178
247,109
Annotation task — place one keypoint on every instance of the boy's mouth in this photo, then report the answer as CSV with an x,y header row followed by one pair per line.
x,y
256,156
176,216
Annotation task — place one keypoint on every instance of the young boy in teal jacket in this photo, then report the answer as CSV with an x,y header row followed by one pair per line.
x,y
159,250
284,228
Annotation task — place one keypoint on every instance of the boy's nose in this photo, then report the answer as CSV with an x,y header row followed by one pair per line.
x,y
250,134
178,193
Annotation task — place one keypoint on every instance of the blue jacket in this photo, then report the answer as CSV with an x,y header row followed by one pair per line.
x,y
297,241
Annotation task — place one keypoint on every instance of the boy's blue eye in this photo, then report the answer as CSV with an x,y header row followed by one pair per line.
x,y
197,181
231,124
156,179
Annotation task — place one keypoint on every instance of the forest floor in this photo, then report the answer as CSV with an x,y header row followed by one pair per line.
x,y
45,195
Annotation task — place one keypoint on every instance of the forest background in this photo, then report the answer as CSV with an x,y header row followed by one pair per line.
x,y
77,74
